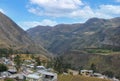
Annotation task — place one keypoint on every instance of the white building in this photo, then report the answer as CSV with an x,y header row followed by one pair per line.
x,y
33,77
87,72
98,75
42,76
48,76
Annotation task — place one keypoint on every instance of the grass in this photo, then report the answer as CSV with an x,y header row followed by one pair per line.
x,y
78,78
101,51
98,51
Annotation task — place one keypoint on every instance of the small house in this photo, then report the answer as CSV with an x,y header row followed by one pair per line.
x,y
98,75
33,77
40,67
73,72
87,72
47,76
12,70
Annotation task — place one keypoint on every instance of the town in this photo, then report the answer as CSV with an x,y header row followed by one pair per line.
x,y
16,70
31,69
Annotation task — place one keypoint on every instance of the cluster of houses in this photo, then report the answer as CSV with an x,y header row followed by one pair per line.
x,y
90,73
28,71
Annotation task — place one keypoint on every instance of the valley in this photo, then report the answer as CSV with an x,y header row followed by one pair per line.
x,y
93,45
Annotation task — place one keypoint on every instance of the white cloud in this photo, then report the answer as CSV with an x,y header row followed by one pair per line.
x,y
58,4
1,10
117,0
55,8
110,9
71,9
85,12
28,24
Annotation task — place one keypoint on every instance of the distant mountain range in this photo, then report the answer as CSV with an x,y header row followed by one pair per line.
x,y
97,41
13,37
94,33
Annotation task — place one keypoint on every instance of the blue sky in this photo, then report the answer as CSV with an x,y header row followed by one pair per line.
x,y
29,13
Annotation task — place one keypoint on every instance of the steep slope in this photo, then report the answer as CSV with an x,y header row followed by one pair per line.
x,y
94,33
52,37
12,36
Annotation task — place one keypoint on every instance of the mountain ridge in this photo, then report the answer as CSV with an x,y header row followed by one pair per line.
x,y
65,37
13,37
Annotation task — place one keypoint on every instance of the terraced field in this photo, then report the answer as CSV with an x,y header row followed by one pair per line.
x,y
78,78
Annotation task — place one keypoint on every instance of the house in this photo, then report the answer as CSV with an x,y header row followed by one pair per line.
x,y
12,70
40,67
73,72
86,72
33,77
47,76
18,77
4,74
115,79
98,75
42,76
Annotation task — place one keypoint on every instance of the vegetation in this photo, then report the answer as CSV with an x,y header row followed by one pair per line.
x,y
6,52
78,78
3,68
37,59
109,74
98,50
18,61
60,65
93,67
8,79
96,62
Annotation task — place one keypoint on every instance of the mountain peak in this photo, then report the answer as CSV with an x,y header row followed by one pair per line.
x,y
93,20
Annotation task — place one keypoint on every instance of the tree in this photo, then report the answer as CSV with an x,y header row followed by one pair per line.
x,y
58,64
38,61
18,61
93,67
3,68
80,68
4,52
32,56
50,64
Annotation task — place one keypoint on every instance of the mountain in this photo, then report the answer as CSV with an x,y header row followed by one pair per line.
x,y
97,42
13,37
94,33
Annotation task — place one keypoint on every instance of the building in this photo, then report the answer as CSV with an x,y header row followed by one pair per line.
x,y
47,76
33,77
98,75
42,76
73,72
87,72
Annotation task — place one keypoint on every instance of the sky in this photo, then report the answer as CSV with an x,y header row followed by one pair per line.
x,y
30,13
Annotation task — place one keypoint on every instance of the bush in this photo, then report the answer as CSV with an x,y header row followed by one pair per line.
x,y
9,79
3,68
109,74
